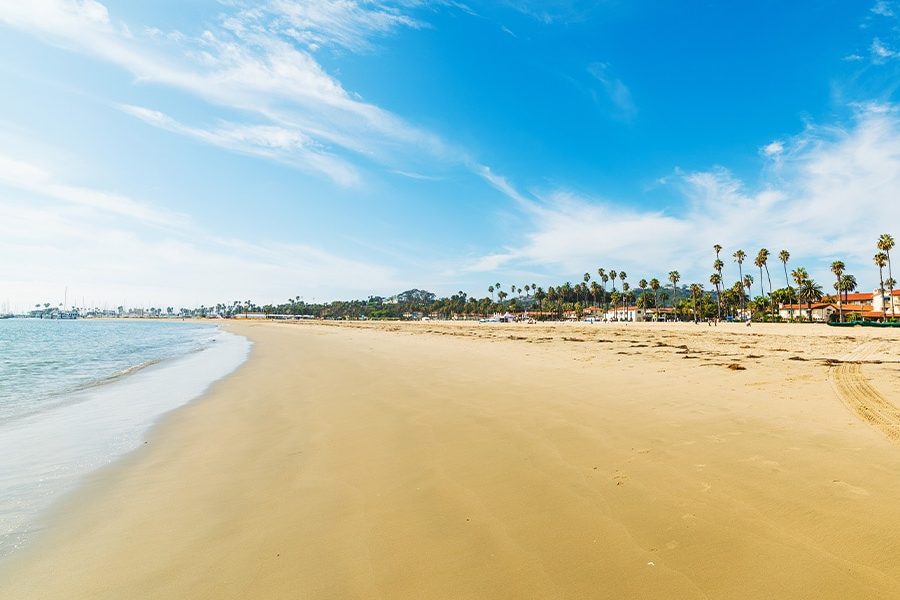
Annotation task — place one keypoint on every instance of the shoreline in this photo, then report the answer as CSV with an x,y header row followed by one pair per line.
x,y
52,450
458,460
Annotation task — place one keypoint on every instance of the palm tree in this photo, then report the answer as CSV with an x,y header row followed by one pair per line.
x,y
810,292
891,284
614,298
625,295
603,277
654,285
784,256
739,257
881,261
759,261
837,267
848,284
642,285
799,275
612,275
491,291
587,278
696,290
674,277
716,280
886,244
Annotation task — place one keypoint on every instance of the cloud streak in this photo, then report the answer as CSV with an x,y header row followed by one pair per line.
x,y
832,191
259,63
114,248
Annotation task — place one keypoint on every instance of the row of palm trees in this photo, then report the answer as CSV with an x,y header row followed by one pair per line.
x,y
799,288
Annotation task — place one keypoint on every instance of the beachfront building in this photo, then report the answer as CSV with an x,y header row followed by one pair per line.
x,y
626,313
859,306
886,304
822,312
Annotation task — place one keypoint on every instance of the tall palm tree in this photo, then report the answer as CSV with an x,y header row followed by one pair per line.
x,y
587,278
674,277
696,290
784,256
739,256
625,295
886,244
810,292
603,277
759,261
654,285
612,275
881,262
799,275
491,292
716,280
837,267
763,256
642,286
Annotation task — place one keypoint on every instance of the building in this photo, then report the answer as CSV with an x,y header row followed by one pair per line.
x,y
859,306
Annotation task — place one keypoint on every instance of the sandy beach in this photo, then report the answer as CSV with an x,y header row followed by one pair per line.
x,y
465,460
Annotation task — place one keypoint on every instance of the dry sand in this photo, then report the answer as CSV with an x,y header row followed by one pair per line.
x,y
439,460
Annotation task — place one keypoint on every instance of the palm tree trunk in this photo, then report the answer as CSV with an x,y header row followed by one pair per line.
x,y
891,277
840,304
656,304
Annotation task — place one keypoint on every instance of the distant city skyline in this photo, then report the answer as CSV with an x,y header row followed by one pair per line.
x,y
187,153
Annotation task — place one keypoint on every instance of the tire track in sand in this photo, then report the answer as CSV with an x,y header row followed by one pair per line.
x,y
861,397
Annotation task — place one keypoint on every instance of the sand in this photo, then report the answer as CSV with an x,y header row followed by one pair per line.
x,y
437,460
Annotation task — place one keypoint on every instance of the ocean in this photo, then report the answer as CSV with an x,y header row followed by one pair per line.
x,y
77,395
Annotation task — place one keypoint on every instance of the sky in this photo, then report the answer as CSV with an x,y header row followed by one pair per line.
x,y
187,152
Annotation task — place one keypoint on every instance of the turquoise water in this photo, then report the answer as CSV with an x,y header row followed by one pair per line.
x,y
76,395
42,360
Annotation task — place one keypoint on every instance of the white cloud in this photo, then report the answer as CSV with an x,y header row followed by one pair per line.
x,y
881,52
617,92
110,248
835,192
774,148
883,8
26,177
251,64
502,185
315,23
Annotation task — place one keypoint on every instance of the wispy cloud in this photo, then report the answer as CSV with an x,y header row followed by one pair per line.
x,y
614,90
881,52
286,145
26,177
111,247
256,61
835,191
883,8
348,24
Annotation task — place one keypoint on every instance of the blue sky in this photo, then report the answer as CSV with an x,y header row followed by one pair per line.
x,y
187,152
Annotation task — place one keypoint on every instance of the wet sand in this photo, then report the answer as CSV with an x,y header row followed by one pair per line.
x,y
445,460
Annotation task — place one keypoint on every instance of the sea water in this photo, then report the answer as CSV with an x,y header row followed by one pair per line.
x,y
76,395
